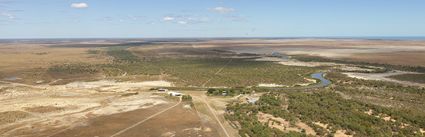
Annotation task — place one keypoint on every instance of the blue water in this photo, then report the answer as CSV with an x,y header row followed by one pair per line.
x,y
323,81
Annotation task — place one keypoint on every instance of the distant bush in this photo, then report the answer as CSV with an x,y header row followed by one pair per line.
x,y
122,55
186,98
417,78
74,69
92,51
227,91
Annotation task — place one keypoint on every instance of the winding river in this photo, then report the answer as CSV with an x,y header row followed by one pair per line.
x,y
323,81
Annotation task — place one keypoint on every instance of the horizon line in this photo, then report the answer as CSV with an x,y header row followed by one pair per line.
x,y
283,37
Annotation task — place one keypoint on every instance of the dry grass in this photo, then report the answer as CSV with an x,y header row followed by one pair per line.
x,y
413,58
44,109
12,116
25,56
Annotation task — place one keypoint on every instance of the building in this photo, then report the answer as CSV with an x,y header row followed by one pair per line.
x,y
172,93
224,93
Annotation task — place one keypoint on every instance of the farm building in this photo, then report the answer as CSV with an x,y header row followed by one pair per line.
x,y
172,93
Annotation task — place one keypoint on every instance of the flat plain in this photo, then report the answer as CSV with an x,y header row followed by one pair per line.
x,y
231,87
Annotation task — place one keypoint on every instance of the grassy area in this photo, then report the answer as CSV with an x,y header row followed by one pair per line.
x,y
239,72
360,107
330,108
7,117
93,51
325,107
191,71
417,78
380,92
122,55
73,69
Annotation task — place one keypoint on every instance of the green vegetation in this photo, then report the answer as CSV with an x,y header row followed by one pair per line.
x,y
330,108
186,98
200,71
417,78
73,69
245,116
380,92
122,55
92,51
326,107
197,72
41,53
130,94
360,107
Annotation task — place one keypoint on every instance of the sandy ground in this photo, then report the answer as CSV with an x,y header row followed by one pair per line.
x,y
20,56
165,120
47,107
104,108
384,77
213,109
376,51
410,58
180,121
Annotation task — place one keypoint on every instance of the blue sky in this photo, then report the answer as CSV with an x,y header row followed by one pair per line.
x,y
210,18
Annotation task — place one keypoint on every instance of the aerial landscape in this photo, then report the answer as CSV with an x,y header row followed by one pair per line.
x,y
216,73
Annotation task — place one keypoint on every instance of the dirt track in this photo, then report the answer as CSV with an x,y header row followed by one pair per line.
x,y
141,122
106,126
215,116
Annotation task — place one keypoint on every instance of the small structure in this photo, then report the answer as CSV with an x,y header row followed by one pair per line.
x,y
251,100
162,90
224,93
172,93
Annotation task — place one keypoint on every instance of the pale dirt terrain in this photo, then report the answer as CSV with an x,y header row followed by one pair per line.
x,y
412,58
104,108
46,107
180,121
213,109
338,133
375,51
17,56
384,77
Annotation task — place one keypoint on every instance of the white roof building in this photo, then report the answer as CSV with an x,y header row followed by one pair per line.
x,y
172,93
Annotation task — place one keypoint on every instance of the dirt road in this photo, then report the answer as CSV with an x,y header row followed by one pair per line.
x,y
215,115
140,122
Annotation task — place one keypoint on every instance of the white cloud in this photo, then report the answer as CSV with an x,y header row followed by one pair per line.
x,y
7,15
185,19
168,18
222,10
182,22
79,5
